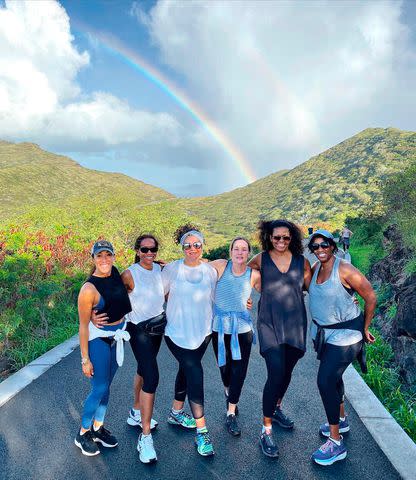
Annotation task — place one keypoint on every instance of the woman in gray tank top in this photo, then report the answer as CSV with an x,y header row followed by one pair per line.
x,y
332,304
281,317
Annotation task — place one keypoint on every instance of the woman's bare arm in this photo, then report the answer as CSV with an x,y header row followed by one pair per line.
x,y
256,280
255,262
86,300
219,266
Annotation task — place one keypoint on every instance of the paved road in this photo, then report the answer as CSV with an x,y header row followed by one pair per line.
x,y
37,428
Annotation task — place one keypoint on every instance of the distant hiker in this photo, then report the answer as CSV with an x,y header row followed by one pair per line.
x,y
146,325
190,284
102,350
345,238
338,330
281,319
233,329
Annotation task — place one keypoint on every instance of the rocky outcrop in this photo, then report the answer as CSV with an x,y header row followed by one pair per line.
x,y
397,318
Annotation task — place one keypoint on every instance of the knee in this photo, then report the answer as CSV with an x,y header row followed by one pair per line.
x,y
325,381
151,383
100,390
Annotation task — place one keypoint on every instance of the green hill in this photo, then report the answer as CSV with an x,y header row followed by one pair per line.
x,y
344,180
30,176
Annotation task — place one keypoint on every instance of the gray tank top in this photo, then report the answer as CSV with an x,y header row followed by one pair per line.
x,y
282,314
329,302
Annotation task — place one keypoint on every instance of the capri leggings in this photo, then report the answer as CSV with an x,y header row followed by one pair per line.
x,y
334,361
103,358
280,362
234,372
190,376
145,349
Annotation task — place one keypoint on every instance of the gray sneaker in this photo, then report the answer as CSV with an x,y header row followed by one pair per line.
x,y
329,453
182,419
344,427
268,445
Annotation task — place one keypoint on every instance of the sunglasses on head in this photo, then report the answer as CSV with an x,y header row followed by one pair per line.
x,y
148,249
285,238
315,246
188,246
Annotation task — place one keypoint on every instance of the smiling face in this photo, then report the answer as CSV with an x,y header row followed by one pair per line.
x,y
280,239
323,253
240,252
192,254
103,262
147,257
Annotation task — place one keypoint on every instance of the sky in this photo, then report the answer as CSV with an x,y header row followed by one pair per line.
x,y
201,97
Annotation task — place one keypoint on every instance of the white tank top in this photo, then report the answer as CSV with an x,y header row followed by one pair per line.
x,y
147,297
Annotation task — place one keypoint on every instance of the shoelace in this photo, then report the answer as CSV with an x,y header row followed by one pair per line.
x,y
269,439
148,441
205,438
328,445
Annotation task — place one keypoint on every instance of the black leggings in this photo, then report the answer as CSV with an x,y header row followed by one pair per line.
x,y
334,361
190,376
234,372
280,362
145,349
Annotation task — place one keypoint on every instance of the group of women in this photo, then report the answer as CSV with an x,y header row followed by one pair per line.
x,y
211,300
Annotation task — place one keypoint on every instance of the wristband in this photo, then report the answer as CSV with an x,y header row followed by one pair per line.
x,y
84,360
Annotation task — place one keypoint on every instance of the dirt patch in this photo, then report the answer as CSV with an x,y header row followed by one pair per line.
x,y
6,368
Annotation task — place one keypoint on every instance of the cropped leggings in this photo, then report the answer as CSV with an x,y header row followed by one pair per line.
x,y
103,359
280,362
145,349
334,361
234,372
190,376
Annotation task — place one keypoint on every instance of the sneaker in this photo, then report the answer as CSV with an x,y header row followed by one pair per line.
x,y
136,420
281,419
232,425
182,419
86,444
344,427
268,445
329,453
103,436
146,449
203,444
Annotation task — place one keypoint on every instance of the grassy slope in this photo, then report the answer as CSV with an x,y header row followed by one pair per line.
x,y
344,180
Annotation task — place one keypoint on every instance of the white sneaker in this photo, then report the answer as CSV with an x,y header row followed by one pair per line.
x,y
146,449
136,420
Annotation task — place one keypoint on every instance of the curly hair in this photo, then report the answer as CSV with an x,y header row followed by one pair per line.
x,y
266,228
329,240
139,241
181,230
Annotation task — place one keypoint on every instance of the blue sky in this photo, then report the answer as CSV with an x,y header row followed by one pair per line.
x,y
282,81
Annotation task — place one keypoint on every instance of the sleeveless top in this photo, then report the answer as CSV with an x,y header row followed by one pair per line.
x,y
147,297
282,314
114,297
189,308
329,302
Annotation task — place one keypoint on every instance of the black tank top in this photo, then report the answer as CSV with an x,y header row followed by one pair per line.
x,y
282,314
114,294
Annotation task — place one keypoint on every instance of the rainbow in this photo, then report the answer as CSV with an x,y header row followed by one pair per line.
x,y
136,61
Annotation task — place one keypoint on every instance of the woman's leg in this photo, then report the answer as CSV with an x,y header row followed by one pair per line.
x,y
239,369
292,356
225,370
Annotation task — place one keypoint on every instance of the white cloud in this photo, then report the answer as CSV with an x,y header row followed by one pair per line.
x,y
287,79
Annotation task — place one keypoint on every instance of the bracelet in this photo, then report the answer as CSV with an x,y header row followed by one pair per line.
x,y
84,360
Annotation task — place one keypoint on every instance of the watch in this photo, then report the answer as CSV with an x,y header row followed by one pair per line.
x,y
84,360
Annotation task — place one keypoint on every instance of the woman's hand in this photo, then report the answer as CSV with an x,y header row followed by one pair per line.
x,y
88,369
99,320
368,336
249,304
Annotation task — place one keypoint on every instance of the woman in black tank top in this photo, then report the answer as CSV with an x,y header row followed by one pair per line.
x,y
281,319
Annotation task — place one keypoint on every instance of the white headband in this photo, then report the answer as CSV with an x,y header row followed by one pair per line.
x,y
195,233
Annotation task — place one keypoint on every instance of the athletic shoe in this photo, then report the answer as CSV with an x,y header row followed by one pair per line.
x,y
329,453
268,445
203,444
281,419
103,436
182,419
86,444
136,420
344,427
146,449
232,425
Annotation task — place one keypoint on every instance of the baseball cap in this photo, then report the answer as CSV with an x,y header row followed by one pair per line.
x,y
321,233
102,246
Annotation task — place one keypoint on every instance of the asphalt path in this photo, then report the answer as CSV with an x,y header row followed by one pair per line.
x,y
37,429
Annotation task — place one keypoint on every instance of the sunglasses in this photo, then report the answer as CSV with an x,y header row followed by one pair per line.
x,y
147,249
188,246
315,246
285,238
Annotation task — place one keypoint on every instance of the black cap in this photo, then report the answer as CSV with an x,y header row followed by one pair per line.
x,y
102,246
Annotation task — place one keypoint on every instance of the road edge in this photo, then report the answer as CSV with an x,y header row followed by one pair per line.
x,y
398,447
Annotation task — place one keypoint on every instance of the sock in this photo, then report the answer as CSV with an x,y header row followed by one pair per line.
x,y
337,442
136,412
267,430
202,429
145,436
342,419
176,412
230,413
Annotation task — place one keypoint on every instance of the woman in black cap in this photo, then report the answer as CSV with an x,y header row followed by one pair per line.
x,y
281,317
